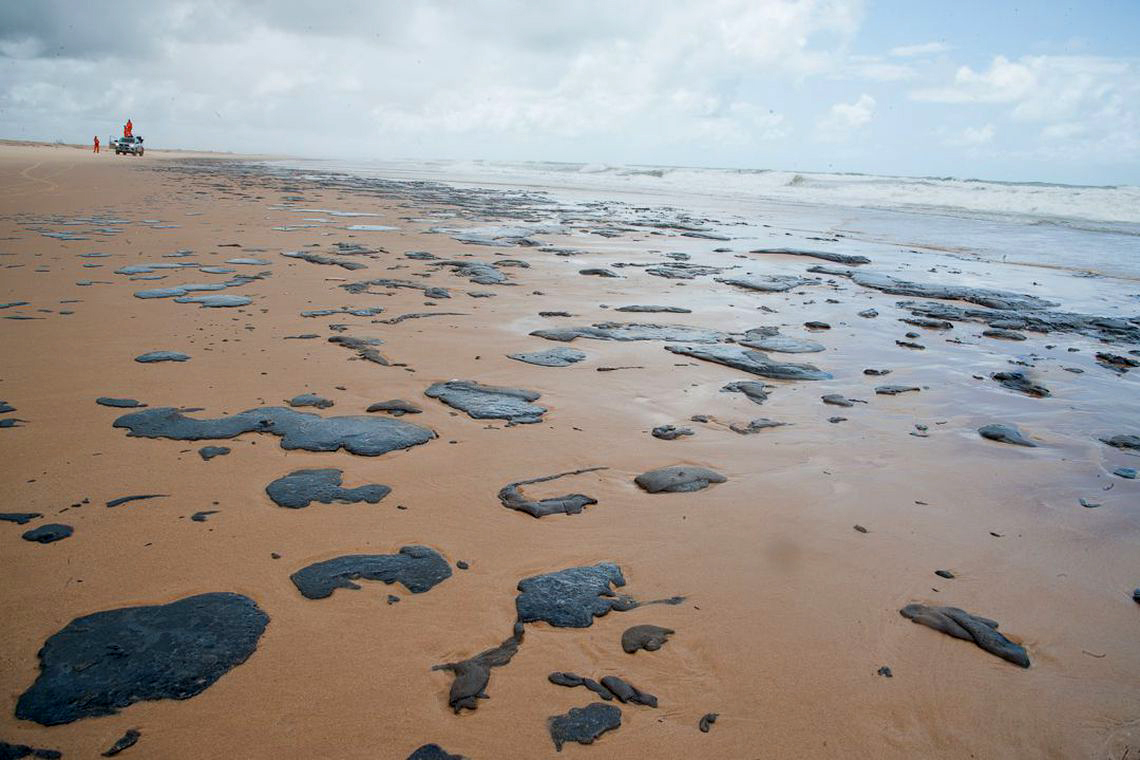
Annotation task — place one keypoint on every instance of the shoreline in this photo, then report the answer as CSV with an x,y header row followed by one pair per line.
x,y
168,153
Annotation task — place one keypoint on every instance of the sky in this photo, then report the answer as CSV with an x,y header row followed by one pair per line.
x,y
1030,91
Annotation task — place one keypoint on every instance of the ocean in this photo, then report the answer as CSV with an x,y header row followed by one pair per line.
x,y
1088,229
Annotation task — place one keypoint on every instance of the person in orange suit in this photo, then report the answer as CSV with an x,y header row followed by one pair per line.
x,y
127,128
96,149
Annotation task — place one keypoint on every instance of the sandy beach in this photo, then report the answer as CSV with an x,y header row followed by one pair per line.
x,y
793,570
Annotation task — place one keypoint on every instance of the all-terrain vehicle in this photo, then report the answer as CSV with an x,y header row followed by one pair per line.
x,y
132,145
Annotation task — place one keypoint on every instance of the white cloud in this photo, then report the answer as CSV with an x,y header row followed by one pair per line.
x,y
875,68
1044,88
735,82
483,75
854,115
844,118
658,83
972,137
922,49
1088,106
1064,130
886,72
1005,82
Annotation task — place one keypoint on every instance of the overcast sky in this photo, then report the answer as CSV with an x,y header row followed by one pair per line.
x,y
1049,92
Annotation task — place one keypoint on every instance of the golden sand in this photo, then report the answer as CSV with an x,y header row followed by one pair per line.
x,y
789,613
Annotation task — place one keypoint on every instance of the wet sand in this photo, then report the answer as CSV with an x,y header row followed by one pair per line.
x,y
790,612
